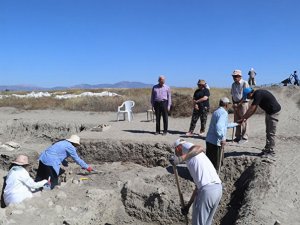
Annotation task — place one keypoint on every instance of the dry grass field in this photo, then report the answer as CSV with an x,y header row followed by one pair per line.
x,y
181,100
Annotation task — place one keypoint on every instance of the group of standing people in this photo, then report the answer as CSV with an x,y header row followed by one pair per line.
x,y
204,165
161,102
241,94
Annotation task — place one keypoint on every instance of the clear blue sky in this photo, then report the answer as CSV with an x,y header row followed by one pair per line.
x,y
66,42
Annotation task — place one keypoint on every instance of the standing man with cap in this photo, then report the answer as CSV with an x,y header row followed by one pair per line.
x,y
201,108
240,105
208,192
269,104
18,184
251,79
216,135
51,159
161,103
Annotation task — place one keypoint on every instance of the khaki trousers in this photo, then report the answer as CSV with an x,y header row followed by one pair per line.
x,y
239,111
271,125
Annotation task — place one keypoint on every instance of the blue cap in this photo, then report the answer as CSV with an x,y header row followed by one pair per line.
x,y
246,91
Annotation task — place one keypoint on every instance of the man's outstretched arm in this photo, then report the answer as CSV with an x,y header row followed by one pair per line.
x,y
193,151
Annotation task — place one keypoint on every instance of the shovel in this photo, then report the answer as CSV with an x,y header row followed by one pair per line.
x,y
221,156
179,192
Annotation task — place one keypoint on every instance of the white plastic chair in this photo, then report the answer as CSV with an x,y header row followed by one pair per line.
x,y
126,107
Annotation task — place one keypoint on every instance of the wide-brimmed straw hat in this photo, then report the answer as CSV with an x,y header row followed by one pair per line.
x,y
21,160
75,139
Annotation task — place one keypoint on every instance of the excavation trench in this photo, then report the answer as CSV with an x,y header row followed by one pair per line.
x,y
137,183
149,204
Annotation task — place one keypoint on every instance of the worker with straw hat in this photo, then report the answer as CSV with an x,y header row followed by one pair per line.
x,y
18,183
208,191
51,159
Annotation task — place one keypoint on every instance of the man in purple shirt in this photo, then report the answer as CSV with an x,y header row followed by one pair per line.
x,y
161,103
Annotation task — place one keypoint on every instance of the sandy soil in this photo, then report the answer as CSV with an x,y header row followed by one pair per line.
x,y
135,184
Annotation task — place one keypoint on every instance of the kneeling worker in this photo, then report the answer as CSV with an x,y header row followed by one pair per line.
x,y
18,184
55,155
208,191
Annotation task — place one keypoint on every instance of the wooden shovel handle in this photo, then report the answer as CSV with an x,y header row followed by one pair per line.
x,y
179,192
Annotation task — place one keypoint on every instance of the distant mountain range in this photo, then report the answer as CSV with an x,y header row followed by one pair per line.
x,y
122,84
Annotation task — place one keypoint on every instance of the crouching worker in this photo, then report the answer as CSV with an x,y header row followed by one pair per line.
x,y
51,159
18,183
208,191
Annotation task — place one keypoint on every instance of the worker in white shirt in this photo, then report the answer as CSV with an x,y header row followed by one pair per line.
x,y
18,183
208,191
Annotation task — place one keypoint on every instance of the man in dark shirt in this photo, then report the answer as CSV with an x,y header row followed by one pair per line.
x,y
269,104
201,108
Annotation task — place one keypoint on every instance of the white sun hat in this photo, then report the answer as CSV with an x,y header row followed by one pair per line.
x,y
75,139
225,100
237,73
21,160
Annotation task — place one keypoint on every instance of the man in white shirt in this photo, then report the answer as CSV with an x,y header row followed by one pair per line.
x,y
240,105
208,191
251,79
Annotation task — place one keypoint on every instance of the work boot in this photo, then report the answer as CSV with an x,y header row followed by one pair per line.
x,y
236,140
268,153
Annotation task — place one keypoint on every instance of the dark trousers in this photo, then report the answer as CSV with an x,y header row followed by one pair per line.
x,y
203,117
2,193
161,109
44,172
213,152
